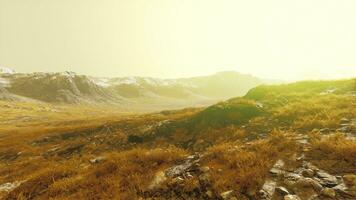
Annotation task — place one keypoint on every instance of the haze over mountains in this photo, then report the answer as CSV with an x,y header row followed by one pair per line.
x,y
141,93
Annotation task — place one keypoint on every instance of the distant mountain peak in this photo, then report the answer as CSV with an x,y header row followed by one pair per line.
x,y
5,70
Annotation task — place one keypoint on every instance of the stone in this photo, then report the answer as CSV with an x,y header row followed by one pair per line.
x,y
327,179
97,159
307,173
308,183
328,192
301,157
282,190
308,165
276,171
227,195
189,165
279,164
292,176
291,197
268,189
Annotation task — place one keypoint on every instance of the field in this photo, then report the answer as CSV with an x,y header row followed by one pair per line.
x,y
224,151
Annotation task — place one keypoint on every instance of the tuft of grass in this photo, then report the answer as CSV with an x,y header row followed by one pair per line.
x,y
335,153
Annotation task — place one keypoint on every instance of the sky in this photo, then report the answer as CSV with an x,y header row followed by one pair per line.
x,y
277,39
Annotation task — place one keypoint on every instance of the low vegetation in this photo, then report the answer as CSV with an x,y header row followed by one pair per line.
x,y
61,152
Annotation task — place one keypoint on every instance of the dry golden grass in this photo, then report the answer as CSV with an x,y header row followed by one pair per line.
x,y
244,167
335,153
124,175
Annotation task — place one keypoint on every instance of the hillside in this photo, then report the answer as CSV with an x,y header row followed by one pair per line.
x,y
138,93
290,141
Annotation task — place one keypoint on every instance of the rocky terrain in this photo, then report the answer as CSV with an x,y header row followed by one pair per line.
x,y
290,142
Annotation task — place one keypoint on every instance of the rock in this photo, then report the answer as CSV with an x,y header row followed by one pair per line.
x,y
301,157
268,189
97,159
291,197
308,165
327,179
344,120
227,195
279,164
276,171
282,190
345,129
343,190
308,183
328,192
307,173
159,178
292,176
190,164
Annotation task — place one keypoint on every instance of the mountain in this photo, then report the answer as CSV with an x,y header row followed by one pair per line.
x,y
140,93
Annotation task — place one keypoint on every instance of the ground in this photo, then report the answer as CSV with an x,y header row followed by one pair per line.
x,y
277,142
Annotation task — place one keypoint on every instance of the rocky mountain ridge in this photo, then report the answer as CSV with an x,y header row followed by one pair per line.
x,y
71,88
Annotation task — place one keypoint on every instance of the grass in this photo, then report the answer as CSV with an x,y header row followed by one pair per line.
x,y
48,147
334,153
244,167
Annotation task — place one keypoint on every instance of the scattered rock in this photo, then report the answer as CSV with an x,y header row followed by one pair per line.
x,y
292,176
307,183
291,197
282,190
97,159
276,171
190,164
268,189
327,179
307,173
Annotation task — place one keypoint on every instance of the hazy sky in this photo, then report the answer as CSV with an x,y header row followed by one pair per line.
x,y
285,39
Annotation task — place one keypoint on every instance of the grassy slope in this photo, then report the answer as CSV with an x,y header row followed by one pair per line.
x,y
49,147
